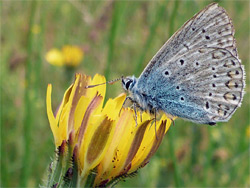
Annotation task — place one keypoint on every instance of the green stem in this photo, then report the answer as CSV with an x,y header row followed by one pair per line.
x,y
39,46
173,157
112,34
28,99
196,133
207,161
69,75
4,168
55,169
61,164
150,38
90,179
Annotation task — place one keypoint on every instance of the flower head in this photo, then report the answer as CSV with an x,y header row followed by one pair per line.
x,y
73,55
36,29
54,57
248,131
105,143
70,56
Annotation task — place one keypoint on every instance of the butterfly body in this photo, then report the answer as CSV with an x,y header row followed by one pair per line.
x,y
196,75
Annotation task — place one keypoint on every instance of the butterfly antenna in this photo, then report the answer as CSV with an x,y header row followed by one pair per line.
x,y
108,82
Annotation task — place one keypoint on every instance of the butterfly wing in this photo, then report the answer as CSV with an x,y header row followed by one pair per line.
x,y
197,74
206,87
193,34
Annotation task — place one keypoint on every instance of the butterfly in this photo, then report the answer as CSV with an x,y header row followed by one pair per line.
x,y
196,75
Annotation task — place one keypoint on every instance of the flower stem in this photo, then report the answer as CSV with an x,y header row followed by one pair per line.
x,y
90,179
28,99
54,173
172,154
112,34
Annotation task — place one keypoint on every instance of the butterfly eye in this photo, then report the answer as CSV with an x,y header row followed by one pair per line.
x,y
128,84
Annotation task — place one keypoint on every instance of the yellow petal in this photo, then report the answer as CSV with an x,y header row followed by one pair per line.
x,y
96,142
150,143
120,100
78,90
137,140
63,103
63,123
98,79
88,116
80,111
113,106
52,120
115,157
66,111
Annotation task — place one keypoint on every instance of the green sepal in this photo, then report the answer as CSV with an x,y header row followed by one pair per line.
x,y
91,178
59,167
122,177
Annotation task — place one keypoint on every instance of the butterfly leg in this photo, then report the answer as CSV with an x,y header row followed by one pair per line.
x,y
172,121
125,102
141,110
141,115
134,106
155,124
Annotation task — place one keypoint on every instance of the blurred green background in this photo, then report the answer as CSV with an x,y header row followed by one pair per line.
x,y
117,38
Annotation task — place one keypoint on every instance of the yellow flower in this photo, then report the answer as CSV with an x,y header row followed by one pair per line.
x,y
248,131
55,57
36,29
70,56
73,55
105,145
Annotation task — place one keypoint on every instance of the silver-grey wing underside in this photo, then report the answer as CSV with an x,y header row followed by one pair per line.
x,y
199,64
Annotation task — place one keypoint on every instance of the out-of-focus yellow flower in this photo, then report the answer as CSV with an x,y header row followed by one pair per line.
x,y
70,56
73,55
36,29
248,131
106,145
216,134
55,57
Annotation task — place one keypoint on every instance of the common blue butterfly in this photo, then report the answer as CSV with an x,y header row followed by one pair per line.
x,y
196,75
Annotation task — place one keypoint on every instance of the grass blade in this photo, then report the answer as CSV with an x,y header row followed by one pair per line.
x,y
28,116
150,38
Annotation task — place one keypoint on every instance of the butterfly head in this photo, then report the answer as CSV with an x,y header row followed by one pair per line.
x,y
128,83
